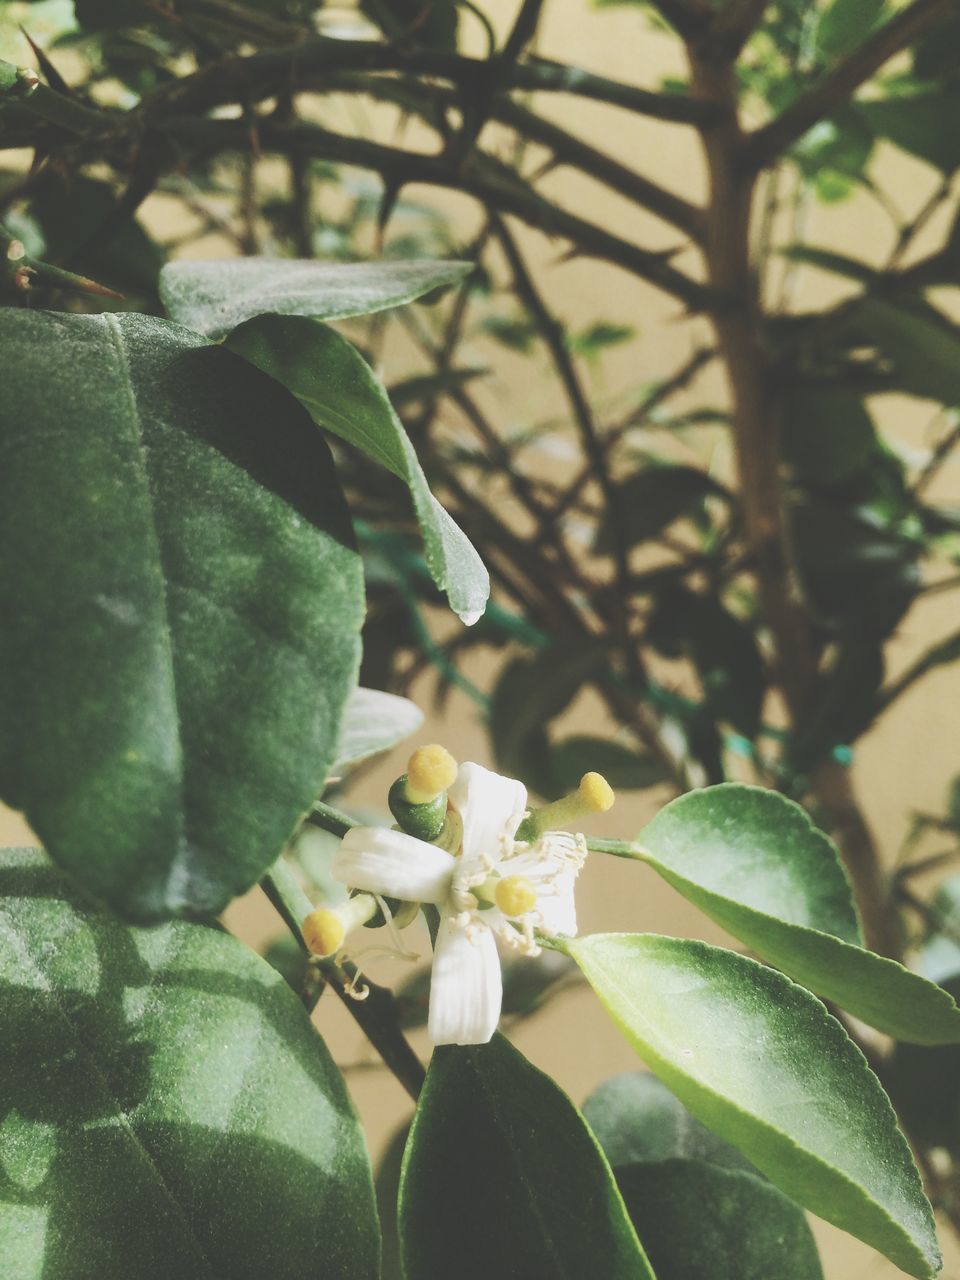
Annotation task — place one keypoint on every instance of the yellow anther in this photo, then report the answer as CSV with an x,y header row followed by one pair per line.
x,y
515,896
596,792
431,770
323,931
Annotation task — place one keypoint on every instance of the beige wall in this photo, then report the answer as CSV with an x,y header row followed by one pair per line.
x,y
903,764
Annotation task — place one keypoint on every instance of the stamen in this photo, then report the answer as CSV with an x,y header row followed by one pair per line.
x,y
431,770
594,795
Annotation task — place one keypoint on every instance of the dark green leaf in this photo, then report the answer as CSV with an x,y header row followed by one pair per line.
x,y
169,1110
760,1061
702,1211
341,392
827,433
624,769
387,1183
723,649
185,605
753,861
215,297
925,124
859,576
922,343
653,498
501,1177
598,336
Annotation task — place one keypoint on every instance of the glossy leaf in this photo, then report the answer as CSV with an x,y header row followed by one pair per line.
x,y
168,1108
760,1061
374,721
702,1211
342,393
501,1177
753,862
215,297
185,600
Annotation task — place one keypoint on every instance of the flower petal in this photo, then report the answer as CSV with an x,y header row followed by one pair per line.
x,y
491,806
466,988
557,907
393,863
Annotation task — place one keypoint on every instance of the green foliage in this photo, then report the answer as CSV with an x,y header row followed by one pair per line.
x,y
166,1105
183,683
479,1183
805,1109
340,391
701,1210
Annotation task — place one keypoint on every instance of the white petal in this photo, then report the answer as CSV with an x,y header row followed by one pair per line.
x,y
466,988
557,907
390,862
491,806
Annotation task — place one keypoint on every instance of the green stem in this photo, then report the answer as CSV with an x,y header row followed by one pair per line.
x,y
617,848
330,819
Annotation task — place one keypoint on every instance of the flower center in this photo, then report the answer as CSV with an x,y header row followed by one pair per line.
x,y
515,895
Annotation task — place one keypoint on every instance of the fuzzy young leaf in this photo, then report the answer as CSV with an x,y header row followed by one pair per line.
x,y
501,1177
167,1104
342,393
760,1061
374,721
753,862
215,297
185,600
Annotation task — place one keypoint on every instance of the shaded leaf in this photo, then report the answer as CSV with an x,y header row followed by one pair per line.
x,y
760,1061
214,297
925,124
653,498
166,1104
535,1182
827,433
342,393
186,605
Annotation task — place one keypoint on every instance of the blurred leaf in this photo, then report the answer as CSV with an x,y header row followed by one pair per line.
x,y
166,1104
624,769
515,332
925,1083
760,1061
701,1210
536,1181
342,393
858,576
827,432
653,498
170,705
836,149
845,24
373,722
431,23
926,124
723,649
836,263
313,849
922,343
214,297
845,704
597,337
428,386
752,861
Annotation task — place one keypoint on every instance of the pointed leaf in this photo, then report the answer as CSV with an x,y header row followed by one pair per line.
x,y
372,722
754,862
214,297
184,605
501,1177
342,393
760,1061
168,1110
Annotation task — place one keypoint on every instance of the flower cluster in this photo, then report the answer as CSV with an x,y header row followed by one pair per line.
x,y
493,869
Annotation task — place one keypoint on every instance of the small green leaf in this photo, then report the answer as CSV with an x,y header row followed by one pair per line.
x,y
754,862
760,1061
184,602
215,297
342,393
501,1177
702,1211
168,1110
845,24
374,721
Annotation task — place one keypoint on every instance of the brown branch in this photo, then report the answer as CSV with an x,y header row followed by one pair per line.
x,y
765,146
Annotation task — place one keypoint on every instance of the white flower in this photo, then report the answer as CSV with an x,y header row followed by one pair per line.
x,y
494,887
